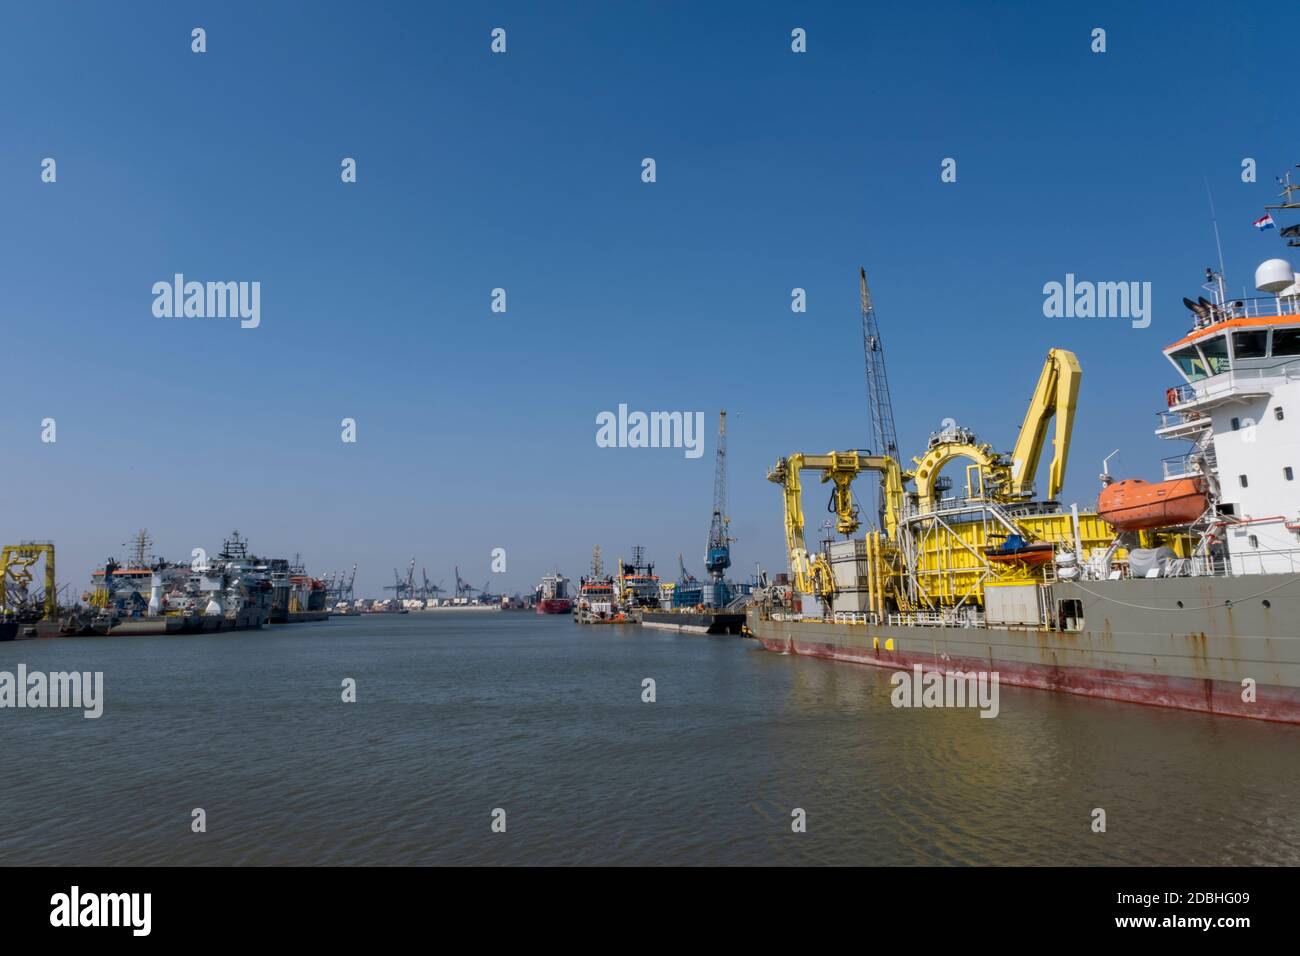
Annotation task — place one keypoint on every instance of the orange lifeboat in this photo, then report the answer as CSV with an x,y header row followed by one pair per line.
x,y
1137,505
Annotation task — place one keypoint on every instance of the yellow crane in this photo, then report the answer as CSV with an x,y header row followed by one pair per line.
x,y
812,573
16,562
991,476
1008,480
1055,396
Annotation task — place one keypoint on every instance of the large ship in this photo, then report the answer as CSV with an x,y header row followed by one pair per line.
x,y
638,585
232,591
1183,592
296,596
598,600
552,596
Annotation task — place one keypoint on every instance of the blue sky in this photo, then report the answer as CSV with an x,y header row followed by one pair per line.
x,y
477,430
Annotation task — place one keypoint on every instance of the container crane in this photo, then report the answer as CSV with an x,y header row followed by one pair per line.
x,y
717,556
428,589
402,589
463,588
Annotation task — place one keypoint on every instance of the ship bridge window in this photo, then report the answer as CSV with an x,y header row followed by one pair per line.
x,y
1286,341
1189,363
1215,350
1250,344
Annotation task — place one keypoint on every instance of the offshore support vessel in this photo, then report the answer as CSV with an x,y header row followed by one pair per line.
x,y
598,599
1182,593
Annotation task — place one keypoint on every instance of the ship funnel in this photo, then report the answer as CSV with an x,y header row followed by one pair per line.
x,y
155,595
1274,275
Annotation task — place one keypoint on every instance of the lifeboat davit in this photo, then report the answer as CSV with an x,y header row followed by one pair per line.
x,y
1137,505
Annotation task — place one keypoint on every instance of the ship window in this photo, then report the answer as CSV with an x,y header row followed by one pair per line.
x,y
1254,542
1286,341
1250,344
1288,473
1277,413
1189,363
1236,424
1215,350
1244,482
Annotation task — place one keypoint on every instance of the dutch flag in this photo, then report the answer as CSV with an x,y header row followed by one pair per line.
x,y
1264,222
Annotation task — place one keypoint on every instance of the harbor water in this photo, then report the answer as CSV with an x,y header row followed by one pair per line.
x,y
459,715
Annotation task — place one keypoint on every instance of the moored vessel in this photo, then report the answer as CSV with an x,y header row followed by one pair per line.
x,y
231,591
598,601
1182,593
552,595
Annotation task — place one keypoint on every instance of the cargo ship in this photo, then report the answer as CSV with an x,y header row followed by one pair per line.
x,y
552,596
1182,592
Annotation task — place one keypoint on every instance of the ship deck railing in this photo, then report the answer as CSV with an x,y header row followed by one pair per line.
x,y
950,507
1230,382
1182,466
1195,418
854,617
933,619
1261,306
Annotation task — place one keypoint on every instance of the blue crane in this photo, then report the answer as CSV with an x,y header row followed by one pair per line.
x,y
717,557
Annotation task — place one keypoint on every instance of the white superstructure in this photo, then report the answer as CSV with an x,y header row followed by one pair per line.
x,y
1239,405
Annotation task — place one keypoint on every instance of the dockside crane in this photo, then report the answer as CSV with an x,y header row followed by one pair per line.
x,y
717,556
398,587
879,403
428,589
463,588
685,577
403,589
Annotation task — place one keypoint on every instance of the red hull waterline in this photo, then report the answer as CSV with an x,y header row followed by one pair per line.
x,y
555,606
1272,702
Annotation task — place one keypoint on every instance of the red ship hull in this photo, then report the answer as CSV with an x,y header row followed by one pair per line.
x,y
555,606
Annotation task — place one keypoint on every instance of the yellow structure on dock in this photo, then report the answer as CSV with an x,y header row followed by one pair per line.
x,y
16,562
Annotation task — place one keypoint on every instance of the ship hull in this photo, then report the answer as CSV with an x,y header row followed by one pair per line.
x,y
555,606
694,622
300,617
1230,640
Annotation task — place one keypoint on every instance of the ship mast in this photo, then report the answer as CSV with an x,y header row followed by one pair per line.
x,y
139,545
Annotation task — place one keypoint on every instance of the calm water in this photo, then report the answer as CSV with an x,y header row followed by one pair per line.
x,y
460,714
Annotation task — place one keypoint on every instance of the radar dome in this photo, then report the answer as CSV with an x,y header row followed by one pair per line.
x,y
1274,275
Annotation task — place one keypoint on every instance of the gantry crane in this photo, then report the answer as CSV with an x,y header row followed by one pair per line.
x,y
16,562
812,573
463,588
403,589
428,590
